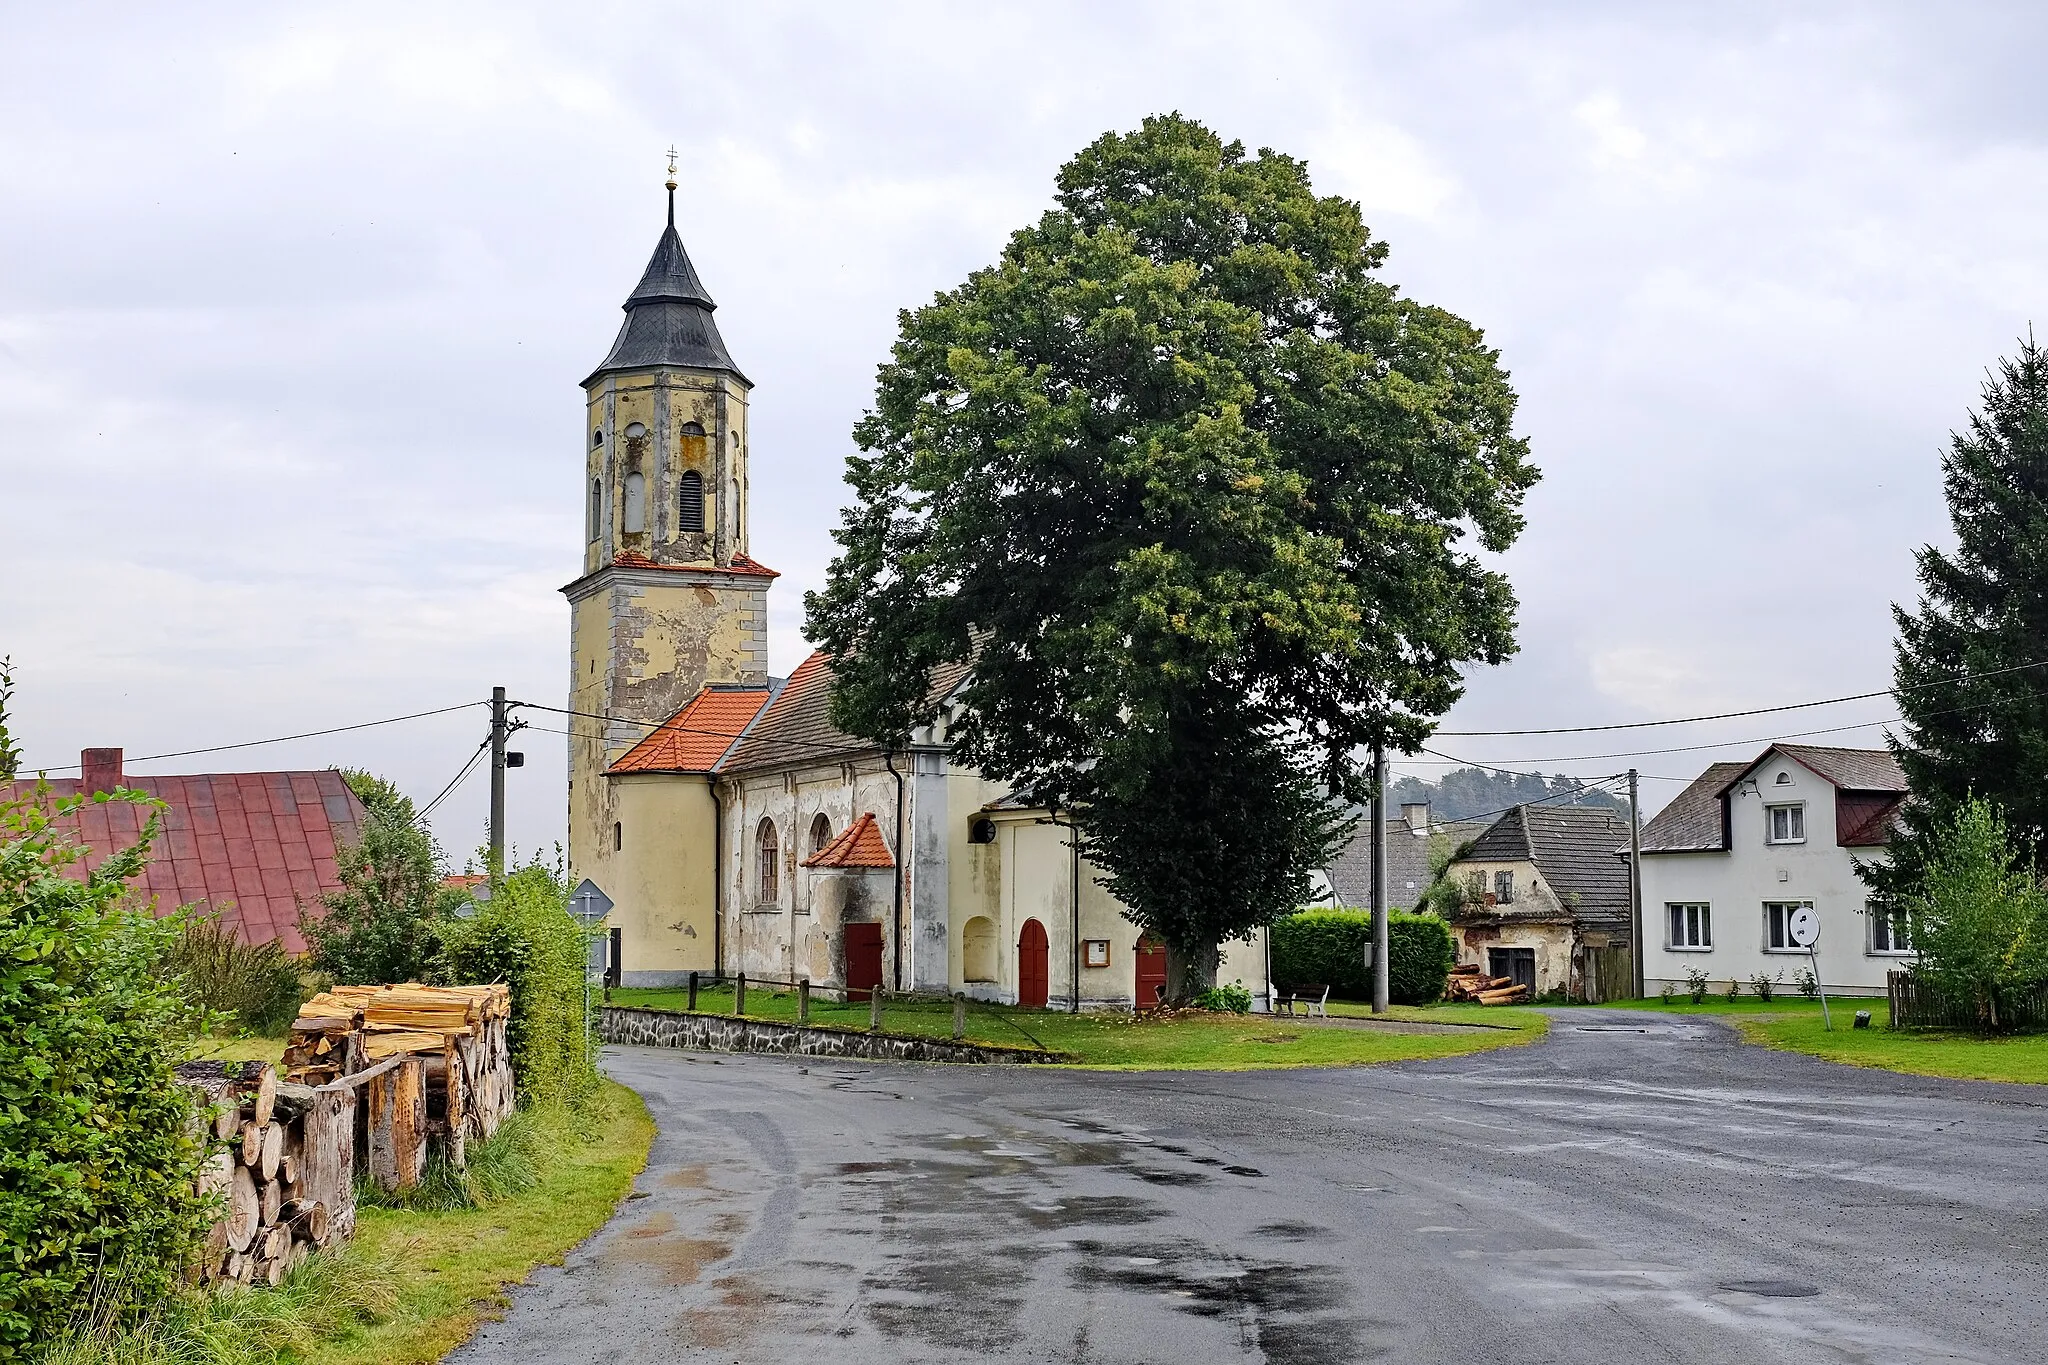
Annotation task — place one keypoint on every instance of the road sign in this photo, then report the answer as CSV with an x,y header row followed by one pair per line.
x,y
589,904
1804,926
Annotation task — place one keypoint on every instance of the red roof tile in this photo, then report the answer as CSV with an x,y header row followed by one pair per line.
x,y
695,738
256,869
861,845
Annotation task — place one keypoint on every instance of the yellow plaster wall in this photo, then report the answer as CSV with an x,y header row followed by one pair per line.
x,y
660,880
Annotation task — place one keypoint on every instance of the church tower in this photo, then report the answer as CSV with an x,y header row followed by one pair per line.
x,y
668,601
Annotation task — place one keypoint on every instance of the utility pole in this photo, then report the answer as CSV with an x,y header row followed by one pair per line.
x,y
497,868
1635,880
1378,812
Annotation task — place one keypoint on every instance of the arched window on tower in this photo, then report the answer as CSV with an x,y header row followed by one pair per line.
x,y
821,833
768,850
636,502
690,509
596,508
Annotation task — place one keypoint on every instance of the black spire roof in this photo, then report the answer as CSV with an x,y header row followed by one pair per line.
x,y
668,316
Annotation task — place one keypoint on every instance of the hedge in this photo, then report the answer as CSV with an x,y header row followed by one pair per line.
x,y
1333,947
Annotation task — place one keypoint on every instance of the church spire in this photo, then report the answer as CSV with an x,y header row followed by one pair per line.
x,y
668,314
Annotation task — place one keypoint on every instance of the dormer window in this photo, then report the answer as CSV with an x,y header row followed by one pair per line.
x,y
1784,779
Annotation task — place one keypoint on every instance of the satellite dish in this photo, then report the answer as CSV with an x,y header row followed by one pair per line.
x,y
1804,926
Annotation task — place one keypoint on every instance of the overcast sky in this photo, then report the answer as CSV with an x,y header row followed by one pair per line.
x,y
295,300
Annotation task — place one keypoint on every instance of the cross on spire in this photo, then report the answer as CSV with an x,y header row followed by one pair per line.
x,y
671,184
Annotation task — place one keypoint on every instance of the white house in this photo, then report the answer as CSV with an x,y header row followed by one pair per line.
x,y
1746,844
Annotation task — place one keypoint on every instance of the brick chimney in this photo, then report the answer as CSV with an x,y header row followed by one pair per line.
x,y
100,770
1416,813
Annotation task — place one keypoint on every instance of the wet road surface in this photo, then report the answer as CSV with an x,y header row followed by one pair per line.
x,y
1633,1189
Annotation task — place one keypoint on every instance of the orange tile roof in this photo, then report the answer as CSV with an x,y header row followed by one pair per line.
x,y
633,559
695,738
861,845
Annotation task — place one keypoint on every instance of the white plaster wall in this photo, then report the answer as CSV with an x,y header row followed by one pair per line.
x,y
1738,882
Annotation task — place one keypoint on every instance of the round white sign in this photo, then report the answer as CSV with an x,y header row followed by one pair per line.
x,y
1804,926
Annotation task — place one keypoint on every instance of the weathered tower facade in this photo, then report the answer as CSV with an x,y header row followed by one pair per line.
x,y
668,601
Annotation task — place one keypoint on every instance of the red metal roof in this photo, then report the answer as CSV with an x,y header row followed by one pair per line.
x,y
253,846
695,738
633,559
861,845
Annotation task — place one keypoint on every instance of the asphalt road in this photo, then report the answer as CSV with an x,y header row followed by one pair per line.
x,y
1633,1189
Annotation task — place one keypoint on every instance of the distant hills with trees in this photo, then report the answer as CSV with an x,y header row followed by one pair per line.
x,y
1465,793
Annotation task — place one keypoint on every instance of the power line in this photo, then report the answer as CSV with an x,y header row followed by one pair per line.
x,y
455,781
281,739
652,726
1734,715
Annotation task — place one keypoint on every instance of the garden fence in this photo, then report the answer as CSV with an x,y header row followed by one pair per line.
x,y
1916,1004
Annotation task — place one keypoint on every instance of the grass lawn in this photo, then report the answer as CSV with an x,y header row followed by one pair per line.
x,y
1207,1042
452,1268
1795,1025
240,1050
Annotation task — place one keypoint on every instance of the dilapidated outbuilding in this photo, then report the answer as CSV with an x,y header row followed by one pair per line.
x,y
1543,887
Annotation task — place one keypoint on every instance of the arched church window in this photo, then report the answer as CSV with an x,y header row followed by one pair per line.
x,y
634,431
636,502
821,833
596,439
596,508
769,851
690,511
692,429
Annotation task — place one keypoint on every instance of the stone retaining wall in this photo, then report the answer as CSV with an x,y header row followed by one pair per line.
x,y
724,1033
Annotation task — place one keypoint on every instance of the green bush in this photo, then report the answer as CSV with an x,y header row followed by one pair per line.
x,y
97,1160
1232,999
386,923
1332,947
258,987
524,936
1979,916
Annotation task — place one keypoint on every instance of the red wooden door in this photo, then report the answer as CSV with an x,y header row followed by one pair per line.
x,y
863,959
1031,966
1151,956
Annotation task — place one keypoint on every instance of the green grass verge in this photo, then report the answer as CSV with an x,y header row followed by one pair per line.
x,y
1796,1025
1192,1041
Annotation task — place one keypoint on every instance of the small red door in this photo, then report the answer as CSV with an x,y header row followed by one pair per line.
x,y
1151,955
863,959
1031,966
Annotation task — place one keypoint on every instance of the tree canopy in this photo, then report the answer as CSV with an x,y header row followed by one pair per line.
x,y
384,924
1199,494
1466,793
1968,659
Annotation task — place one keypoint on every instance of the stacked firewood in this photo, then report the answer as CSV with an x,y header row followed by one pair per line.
x,y
1468,983
458,1034
284,1169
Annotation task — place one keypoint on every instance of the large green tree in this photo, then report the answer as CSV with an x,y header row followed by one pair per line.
x,y
385,924
1969,658
1200,495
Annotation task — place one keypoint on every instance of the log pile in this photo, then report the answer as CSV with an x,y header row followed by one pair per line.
x,y
459,1092
1468,983
285,1168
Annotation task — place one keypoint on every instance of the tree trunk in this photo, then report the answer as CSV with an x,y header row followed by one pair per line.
x,y
1188,974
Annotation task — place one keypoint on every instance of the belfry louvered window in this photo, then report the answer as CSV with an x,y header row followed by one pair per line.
x,y
690,509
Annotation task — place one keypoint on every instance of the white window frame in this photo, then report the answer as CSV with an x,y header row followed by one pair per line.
x,y
1697,917
1796,811
1895,926
1784,924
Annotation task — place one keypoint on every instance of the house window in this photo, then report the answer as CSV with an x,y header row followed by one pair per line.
x,y
1786,824
769,851
1889,932
1692,927
1503,888
690,502
1778,926
821,833
618,837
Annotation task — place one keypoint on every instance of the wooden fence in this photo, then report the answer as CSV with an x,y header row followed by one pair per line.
x,y
1915,1004
1610,974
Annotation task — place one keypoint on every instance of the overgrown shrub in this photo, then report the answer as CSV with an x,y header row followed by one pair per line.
x,y
1232,999
258,986
96,1157
1978,916
1332,947
385,924
525,936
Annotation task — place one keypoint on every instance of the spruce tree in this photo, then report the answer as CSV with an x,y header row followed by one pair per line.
x,y
1971,671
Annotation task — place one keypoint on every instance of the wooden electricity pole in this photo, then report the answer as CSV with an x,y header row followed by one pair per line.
x,y
1378,812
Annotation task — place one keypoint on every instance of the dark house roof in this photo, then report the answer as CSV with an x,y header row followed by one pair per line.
x,y
668,316
253,846
1870,791
1573,849
1407,861
797,726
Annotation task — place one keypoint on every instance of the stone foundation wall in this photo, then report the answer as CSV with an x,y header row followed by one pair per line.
x,y
724,1033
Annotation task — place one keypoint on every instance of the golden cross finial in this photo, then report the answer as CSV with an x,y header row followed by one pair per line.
x,y
671,166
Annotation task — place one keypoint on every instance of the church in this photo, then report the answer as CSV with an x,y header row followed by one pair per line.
x,y
734,829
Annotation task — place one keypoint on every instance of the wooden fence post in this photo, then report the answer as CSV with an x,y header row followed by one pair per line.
x,y
959,1016
398,1126
875,1010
